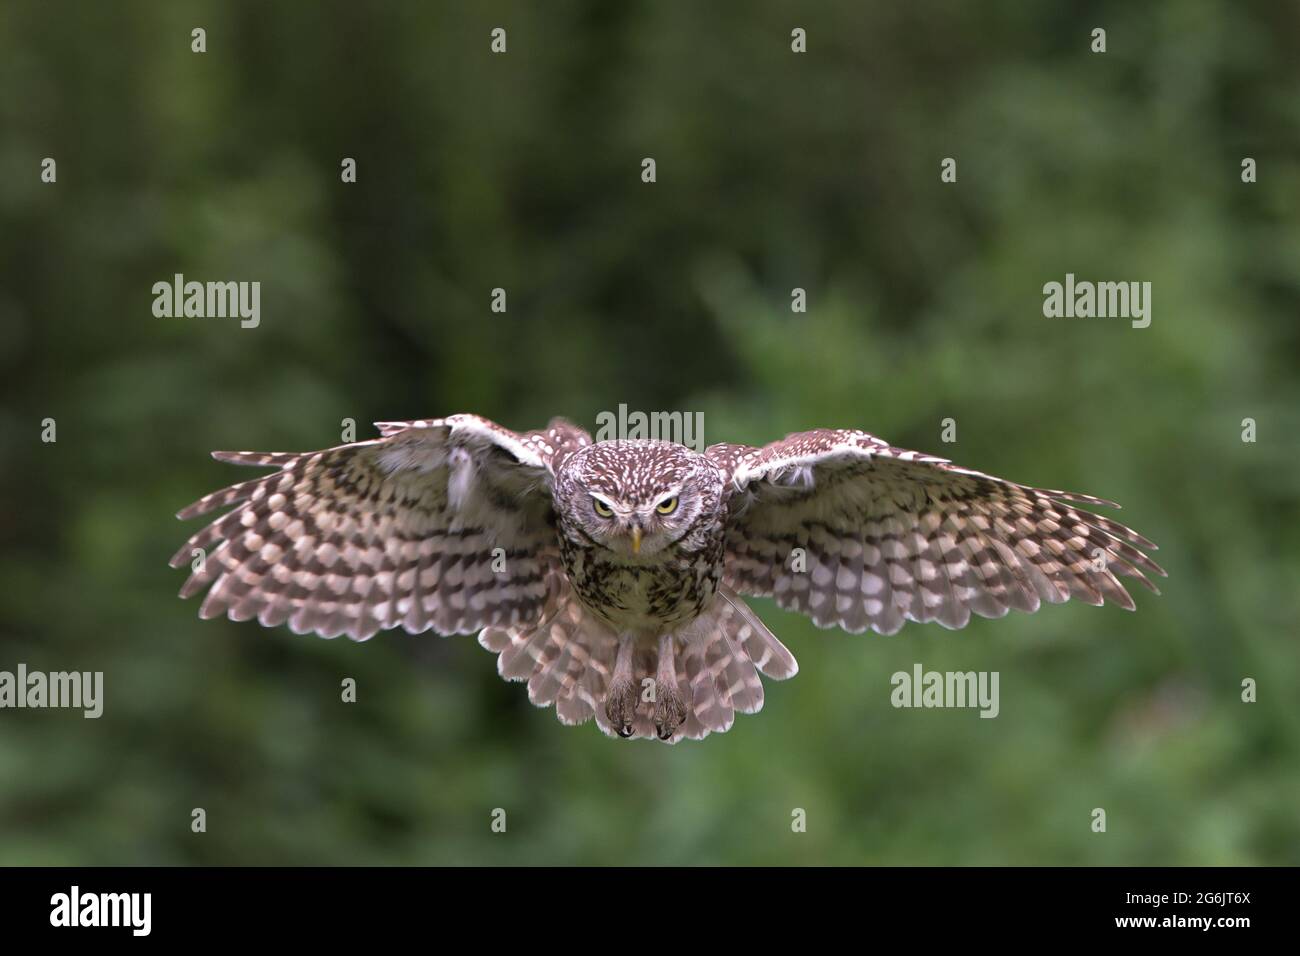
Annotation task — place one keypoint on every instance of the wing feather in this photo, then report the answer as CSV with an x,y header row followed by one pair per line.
x,y
888,535
441,524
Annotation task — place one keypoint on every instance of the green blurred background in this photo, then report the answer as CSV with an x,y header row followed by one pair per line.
x,y
775,170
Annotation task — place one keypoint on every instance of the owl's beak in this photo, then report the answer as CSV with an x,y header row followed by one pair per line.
x,y
636,539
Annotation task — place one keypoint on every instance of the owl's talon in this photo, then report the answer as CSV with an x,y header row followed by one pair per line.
x,y
670,710
620,707
670,714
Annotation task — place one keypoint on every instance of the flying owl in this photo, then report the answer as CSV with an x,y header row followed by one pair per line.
x,y
611,576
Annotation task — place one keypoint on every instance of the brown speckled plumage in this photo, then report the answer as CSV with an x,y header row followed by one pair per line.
x,y
651,592
609,576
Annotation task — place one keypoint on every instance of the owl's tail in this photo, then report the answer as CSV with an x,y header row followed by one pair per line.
x,y
568,659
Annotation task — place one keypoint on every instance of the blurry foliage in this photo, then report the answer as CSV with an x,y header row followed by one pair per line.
x,y
775,171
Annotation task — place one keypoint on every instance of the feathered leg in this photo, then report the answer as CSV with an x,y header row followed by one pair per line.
x,y
620,704
670,710
700,676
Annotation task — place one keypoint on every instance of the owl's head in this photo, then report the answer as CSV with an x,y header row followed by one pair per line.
x,y
636,497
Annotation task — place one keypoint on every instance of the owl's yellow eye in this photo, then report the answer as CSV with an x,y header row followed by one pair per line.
x,y
667,506
602,509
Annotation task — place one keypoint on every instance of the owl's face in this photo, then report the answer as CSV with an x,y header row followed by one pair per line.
x,y
636,497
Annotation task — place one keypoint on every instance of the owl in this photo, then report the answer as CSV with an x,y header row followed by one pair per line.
x,y
612,576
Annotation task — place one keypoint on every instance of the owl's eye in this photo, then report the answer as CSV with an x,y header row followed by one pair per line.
x,y
667,506
602,509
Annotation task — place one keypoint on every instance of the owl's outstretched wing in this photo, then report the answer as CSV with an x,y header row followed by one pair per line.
x,y
441,524
843,527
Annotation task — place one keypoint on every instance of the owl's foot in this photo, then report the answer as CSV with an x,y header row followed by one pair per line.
x,y
621,701
670,710
620,706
